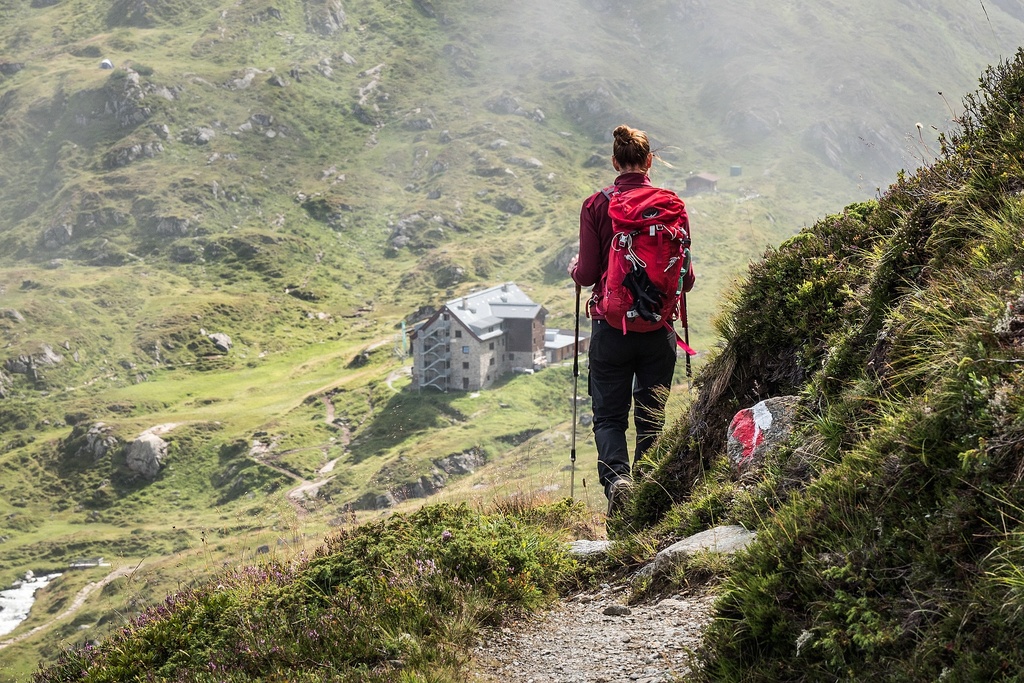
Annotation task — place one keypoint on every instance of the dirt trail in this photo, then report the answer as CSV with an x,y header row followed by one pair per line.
x,y
305,489
405,371
76,603
595,638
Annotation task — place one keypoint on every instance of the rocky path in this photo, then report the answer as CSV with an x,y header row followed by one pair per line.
x,y
596,638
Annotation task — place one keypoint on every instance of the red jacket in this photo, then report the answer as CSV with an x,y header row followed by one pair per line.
x,y
596,239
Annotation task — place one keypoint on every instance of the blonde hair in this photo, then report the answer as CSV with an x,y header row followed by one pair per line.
x,y
630,146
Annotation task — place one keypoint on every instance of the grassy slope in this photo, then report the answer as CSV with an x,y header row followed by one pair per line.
x,y
123,290
397,600
890,524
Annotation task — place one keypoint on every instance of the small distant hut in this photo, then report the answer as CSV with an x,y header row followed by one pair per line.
x,y
700,183
560,345
106,64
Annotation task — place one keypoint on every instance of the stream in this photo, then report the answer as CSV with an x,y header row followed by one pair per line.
x,y
16,601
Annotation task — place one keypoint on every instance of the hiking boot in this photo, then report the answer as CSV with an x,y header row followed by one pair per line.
x,y
618,493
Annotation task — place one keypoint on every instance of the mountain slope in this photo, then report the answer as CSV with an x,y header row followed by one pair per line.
x,y
889,525
305,177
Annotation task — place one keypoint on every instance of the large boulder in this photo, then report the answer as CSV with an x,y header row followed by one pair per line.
x,y
586,549
204,134
243,81
146,455
755,431
5,384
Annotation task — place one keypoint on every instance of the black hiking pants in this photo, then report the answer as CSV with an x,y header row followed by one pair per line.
x,y
625,369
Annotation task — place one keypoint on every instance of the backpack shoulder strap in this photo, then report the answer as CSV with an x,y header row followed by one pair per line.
x,y
609,191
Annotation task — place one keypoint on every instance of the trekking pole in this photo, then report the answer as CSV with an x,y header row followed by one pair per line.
x,y
682,313
575,394
686,338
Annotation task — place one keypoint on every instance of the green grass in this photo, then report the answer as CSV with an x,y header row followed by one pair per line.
x,y
268,214
398,600
889,524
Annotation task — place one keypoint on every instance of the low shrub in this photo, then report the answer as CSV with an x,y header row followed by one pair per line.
x,y
400,599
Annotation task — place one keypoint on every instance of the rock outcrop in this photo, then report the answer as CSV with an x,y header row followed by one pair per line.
x,y
58,234
125,103
510,205
122,156
507,105
418,233
597,112
325,17
30,365
92,442
448,275
458,464
172,226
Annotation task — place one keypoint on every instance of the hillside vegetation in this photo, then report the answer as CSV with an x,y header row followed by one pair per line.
x,y
889,526
305,177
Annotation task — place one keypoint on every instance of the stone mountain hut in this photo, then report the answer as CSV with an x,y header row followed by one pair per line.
x,y
476,339
700,183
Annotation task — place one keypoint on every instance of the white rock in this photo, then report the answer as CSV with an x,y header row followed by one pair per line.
x,y
146,454
585,549
221,341
722,539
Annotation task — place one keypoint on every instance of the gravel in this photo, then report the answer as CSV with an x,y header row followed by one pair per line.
x,y
596,638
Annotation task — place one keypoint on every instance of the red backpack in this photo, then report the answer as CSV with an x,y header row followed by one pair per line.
x,y
648,259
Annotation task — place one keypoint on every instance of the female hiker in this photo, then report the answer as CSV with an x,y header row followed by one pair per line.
x,y
632,352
